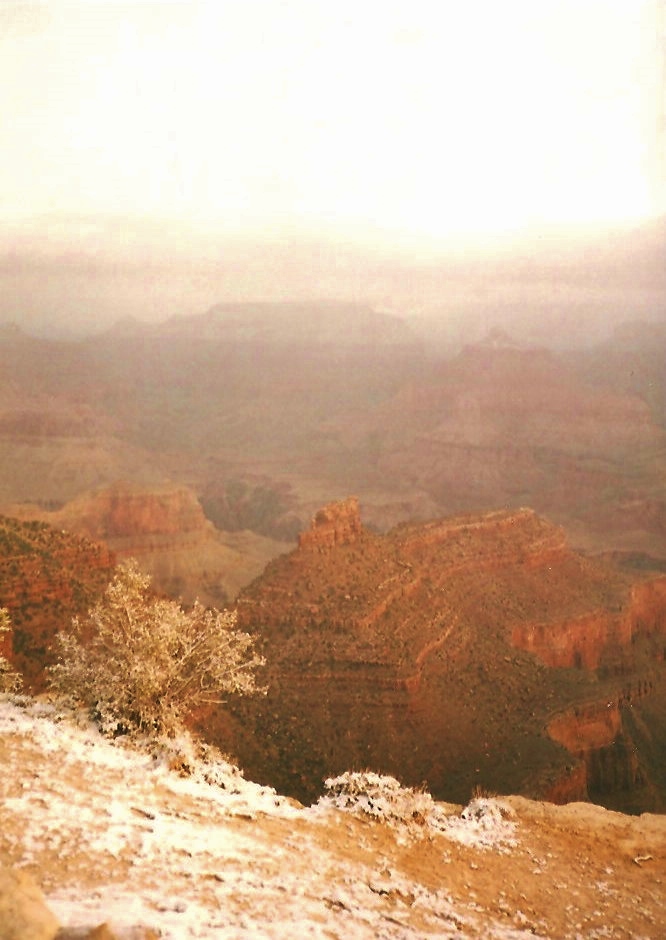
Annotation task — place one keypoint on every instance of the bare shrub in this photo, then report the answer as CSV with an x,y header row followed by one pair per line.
x,y
380,796
483,823
141,663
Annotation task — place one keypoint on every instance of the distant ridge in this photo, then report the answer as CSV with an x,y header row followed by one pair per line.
x,y
284,323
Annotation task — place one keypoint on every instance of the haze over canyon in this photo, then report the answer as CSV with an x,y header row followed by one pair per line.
x,y
522,458
332,453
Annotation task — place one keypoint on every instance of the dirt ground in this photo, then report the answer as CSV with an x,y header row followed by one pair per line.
x,y
115,835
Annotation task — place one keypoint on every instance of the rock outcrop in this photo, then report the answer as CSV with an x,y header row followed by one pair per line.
x,y
442,652
335,524
578,642
165,529
24,914
607,755
585,640
126,511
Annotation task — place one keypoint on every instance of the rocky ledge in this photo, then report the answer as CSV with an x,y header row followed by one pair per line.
x,y
336,524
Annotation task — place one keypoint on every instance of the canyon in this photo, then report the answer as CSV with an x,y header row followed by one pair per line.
x,y
268,411
477,651
444,632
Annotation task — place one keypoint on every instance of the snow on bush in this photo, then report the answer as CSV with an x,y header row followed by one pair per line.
x,y
188,756
383,797
485,822
140,664
10,681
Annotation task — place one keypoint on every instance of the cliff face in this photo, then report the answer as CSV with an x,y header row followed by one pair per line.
x,y
335,524
583,641
47,576
125,511
440,651
493,396
165,529
578,642
506,425
601,737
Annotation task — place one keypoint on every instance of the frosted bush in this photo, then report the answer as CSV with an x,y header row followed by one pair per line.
x,y
379,796
10,681
484,823
188,756
141,663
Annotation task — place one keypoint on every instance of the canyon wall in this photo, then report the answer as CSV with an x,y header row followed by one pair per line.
x,y
582,642
165,529
606,752
427,653
257,392
127,511
47,576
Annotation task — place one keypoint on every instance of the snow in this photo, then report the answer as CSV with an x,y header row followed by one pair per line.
x,y
484,823
120,837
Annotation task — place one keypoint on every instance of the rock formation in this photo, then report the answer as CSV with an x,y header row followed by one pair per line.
x,y
24,914
335,524
47,576
498,425
165,529
126,511
585,640
332,399
444,651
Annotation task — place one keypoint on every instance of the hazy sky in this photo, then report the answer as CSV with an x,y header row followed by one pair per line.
x,y
407,118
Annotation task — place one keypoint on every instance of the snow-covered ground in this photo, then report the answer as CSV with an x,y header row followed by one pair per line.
x,y
160,837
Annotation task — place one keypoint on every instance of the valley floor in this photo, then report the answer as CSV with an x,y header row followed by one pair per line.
x,y
121,836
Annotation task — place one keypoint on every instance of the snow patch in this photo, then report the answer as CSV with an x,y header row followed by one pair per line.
x,y
171,837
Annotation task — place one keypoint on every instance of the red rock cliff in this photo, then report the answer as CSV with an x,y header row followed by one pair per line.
x,y
335,524
607,757
47,576
396,651
582,641
125,511
165,529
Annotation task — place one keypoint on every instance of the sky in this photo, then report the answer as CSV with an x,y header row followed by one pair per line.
x,y
420,119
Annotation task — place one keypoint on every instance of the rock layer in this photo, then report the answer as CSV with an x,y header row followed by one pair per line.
x,y
441,652
335,524
165,529
47,576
